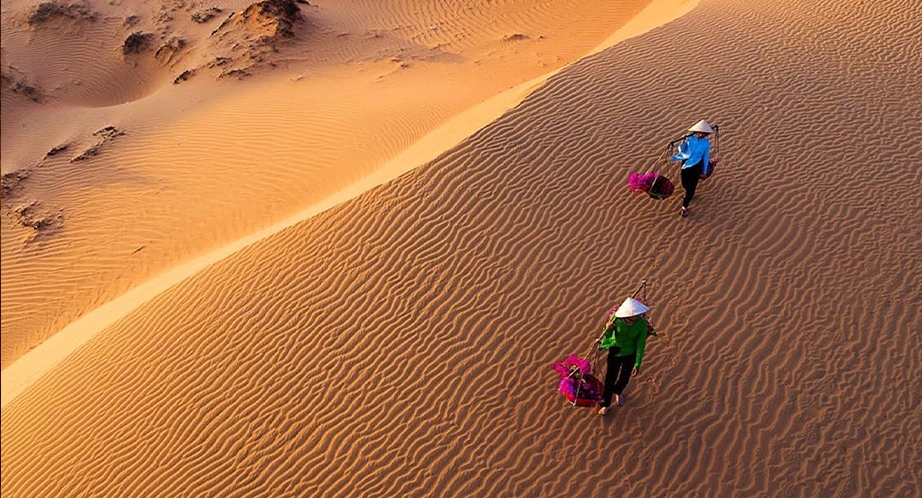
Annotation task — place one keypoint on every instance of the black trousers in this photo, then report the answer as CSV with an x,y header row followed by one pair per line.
x,y
690,177
617,375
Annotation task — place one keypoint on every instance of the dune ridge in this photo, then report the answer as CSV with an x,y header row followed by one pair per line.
x,y
29,367
398,344
217,157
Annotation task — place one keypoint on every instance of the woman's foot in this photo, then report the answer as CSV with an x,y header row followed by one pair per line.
x,y
684,212
603,411
619,399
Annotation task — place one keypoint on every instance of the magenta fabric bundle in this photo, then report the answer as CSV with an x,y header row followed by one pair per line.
x,y
577,381
640,183
572,364
612,311
587,390
653,184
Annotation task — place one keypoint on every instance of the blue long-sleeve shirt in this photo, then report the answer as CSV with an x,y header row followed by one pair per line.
x,y
694,151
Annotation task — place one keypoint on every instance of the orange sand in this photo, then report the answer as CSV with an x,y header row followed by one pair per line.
x,y
347,273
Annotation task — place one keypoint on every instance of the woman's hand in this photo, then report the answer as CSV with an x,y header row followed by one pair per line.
x,y
635,372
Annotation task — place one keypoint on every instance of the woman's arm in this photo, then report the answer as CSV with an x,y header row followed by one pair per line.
x,y
608,336
683,152
641,345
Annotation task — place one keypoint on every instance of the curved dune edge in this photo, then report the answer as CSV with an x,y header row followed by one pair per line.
x,y
30,367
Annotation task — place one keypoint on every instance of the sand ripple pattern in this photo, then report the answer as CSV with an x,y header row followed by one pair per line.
x,y
398,345
81,62
306,138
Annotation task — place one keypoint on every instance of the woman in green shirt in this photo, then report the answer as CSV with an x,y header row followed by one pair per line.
x,y
625,338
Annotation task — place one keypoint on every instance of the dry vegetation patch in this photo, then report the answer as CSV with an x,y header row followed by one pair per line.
x,y
47,11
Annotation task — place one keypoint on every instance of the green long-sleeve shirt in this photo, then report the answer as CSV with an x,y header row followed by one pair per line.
x,y
630,339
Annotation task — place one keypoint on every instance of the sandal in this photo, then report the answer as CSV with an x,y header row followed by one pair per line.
x,y
684,212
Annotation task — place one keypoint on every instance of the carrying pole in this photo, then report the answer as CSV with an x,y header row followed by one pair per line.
x,y
642,288
716,143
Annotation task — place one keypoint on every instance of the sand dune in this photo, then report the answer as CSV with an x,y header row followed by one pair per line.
x,y
31,366
207,161
399,343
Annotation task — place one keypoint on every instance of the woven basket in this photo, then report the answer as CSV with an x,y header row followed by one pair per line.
x,y
661,188
711,166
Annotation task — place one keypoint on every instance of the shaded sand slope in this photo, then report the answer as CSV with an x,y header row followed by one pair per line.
x,y
198,164
398,345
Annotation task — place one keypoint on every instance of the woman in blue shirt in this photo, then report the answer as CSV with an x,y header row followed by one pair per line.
x,y
694,152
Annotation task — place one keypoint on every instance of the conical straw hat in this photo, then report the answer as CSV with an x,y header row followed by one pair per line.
x,y
631,307
701,127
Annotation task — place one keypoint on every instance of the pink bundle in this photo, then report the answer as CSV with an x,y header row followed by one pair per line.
x,y
572,364
578,384
640,183
580,388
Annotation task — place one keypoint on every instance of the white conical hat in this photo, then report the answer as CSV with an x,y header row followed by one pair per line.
x,y
631,307
701,127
